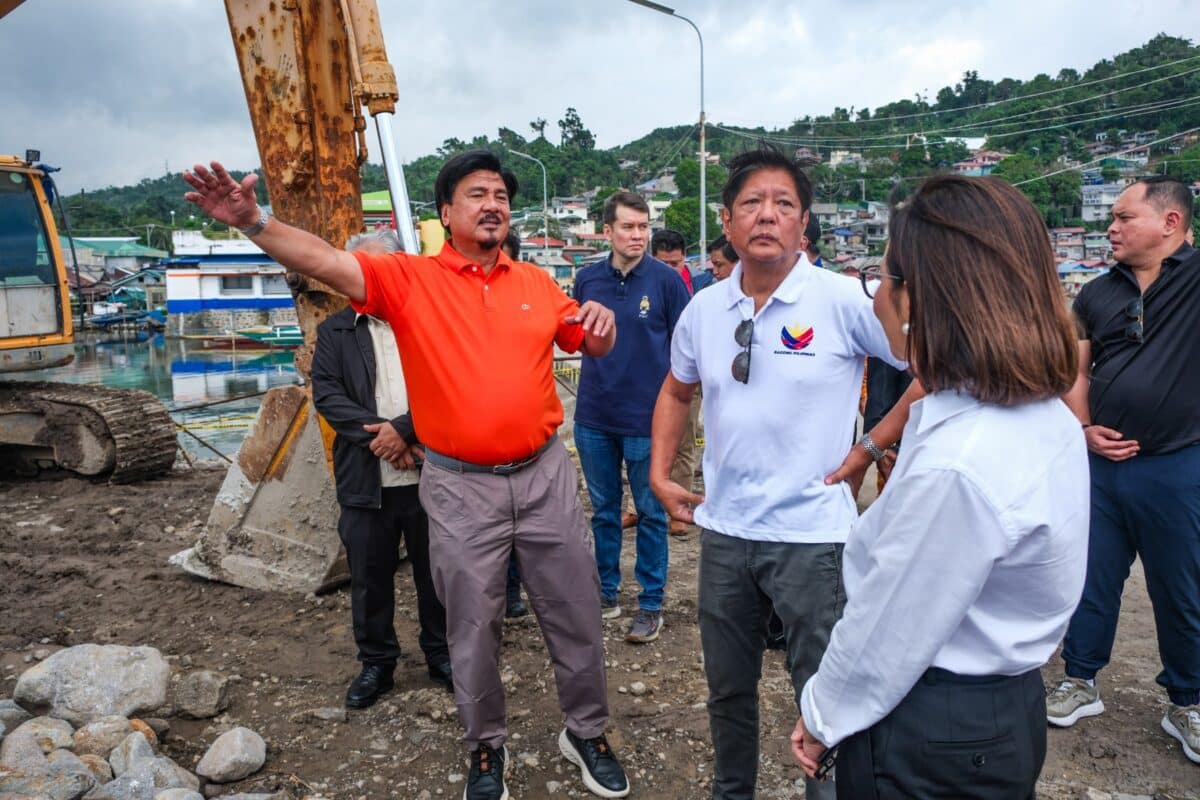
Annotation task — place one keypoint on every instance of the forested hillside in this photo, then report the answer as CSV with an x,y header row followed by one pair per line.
x,y
1155,87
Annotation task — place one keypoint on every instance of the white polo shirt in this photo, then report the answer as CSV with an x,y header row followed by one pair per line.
x,y
769,443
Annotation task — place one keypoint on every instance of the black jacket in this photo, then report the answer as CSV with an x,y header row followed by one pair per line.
x,y
343,383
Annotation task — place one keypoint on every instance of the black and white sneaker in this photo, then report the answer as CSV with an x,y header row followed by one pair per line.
x,y
485,781
602,773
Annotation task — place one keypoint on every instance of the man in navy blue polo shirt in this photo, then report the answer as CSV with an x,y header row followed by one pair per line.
x,y
616,401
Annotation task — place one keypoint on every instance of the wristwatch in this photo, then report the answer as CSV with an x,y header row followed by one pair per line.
x,y
872,449
257,227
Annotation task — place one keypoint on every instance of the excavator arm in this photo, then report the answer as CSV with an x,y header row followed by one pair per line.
x,y
308,68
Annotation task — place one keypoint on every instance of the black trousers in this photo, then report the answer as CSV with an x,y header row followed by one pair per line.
x,y
953,737
372,541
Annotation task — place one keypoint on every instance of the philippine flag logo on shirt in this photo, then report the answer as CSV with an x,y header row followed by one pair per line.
x,y
795,337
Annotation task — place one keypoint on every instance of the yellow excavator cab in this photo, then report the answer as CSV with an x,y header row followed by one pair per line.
x,y
123,435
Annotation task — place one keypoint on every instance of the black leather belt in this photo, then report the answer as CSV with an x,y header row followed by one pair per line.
x,y
457,465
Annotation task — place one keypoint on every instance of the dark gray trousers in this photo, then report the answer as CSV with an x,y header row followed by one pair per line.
x,y
371,537
740,581
476,520
951,738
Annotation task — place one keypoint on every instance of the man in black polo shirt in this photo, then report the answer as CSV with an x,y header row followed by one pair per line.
x,y
1140,409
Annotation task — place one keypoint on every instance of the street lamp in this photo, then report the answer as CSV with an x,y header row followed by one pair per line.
x,y
670,12
545,201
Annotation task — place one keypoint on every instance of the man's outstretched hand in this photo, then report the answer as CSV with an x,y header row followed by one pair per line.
x,y
221,197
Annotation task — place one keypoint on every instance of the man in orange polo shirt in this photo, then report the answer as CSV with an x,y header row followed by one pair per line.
x,y
476,333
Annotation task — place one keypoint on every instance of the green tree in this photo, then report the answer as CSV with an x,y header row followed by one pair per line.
x,y
683,215
1019,168
596,207
687,178
575,135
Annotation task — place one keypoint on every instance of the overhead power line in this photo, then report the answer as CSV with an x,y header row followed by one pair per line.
x,y
1118,154
866,138
796,141
1002,101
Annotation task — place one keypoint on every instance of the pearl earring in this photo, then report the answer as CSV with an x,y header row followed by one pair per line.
x,y
904,329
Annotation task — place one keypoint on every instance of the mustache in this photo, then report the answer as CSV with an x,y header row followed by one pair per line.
x,y
493,218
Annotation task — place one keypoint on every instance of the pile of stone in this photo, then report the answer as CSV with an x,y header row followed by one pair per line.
x,y
79,726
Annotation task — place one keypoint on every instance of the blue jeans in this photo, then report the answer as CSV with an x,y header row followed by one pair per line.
x,y
1147,507
600,454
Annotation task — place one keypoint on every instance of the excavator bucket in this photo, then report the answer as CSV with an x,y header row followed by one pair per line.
x,y
307,66
274,523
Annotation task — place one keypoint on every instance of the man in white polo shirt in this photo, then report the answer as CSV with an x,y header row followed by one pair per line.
x,y
779,351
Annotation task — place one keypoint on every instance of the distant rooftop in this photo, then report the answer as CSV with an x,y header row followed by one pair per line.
x,y
113,246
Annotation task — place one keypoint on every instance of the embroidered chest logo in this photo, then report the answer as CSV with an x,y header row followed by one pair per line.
x,y
795,340
644,306
525,306
795,337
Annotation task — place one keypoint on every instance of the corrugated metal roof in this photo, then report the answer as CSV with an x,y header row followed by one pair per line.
x,y
114,247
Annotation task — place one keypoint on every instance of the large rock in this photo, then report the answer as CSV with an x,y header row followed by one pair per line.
x,y
84,683
234,755
12,715
21,751
201,695
54,785
145,779
99,767
66,761
178,794
99,738
132,749
50,734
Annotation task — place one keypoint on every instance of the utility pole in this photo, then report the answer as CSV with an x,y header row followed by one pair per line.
x,y
670,12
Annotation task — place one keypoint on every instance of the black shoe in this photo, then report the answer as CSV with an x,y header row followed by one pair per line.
x,y
373,682
485,781
442,673
602,773
515,607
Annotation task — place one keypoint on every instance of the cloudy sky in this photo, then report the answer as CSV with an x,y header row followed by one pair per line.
x,y
117,90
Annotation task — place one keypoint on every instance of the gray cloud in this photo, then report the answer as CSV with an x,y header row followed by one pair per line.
x,y
119,90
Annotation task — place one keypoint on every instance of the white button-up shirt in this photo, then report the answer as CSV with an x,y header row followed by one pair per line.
x,y
391,395
769,443
972,559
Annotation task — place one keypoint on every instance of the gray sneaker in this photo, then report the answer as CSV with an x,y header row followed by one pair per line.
x,y
1073,700
609,608
645,628
1183,724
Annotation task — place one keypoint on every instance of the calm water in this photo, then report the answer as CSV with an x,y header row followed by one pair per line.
x,y
181,374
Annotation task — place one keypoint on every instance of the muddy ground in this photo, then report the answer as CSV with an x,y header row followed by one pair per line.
x,y
81,562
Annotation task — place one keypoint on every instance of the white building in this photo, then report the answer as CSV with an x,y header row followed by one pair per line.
x,y
218,285
839,157
1098,200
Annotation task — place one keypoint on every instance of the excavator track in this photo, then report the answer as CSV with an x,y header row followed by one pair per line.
x,y
141,432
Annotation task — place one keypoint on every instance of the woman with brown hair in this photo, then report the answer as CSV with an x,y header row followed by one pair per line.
x,y
961,578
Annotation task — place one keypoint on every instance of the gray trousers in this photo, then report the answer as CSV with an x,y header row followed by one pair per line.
x,y
475,521
740,582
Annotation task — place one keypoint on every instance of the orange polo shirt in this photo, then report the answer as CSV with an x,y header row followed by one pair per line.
x,y
477,351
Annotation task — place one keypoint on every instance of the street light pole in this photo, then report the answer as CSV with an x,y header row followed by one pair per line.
x,y
670,12
545,200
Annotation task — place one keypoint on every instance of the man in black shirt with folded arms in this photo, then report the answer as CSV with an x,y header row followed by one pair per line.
x,y
1138,398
